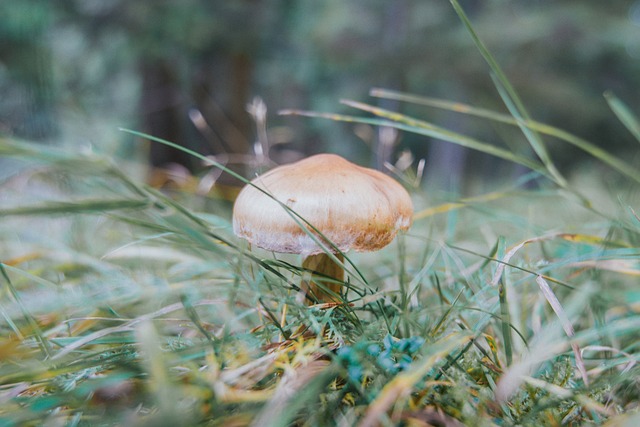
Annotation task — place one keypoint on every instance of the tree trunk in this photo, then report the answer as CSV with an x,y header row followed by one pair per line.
x,y
162,111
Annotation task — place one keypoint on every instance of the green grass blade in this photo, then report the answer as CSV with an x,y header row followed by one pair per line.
x,y
505,321
193,315
489,59
510,96
311,231
584,145
621,110
14,328
535,141
436,329
76,207
32,151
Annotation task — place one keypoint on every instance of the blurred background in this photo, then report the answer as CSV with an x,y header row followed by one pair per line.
x,y
72,72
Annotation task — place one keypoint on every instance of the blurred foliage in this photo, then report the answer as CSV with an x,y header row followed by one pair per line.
x,y
75,71
122,305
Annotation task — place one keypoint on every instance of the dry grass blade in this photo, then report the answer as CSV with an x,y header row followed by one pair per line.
x,y
566,324
551,299
504,262
605,348
594,150
628,267
448,207
410,124
420,127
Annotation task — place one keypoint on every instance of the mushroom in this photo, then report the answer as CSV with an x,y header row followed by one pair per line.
x,y
351,206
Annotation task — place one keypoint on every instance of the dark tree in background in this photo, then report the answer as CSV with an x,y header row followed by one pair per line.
x,y
73,71
27,91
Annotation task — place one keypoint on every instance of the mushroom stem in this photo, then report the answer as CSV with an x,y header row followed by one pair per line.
x,y
323,265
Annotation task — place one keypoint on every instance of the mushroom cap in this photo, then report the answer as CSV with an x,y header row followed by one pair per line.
x,y
352,206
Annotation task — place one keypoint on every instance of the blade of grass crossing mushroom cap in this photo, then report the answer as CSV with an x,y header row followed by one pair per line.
x,y
177,224
321,241
355,207
305,225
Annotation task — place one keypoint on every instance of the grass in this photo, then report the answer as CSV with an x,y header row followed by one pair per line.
x,y
122,305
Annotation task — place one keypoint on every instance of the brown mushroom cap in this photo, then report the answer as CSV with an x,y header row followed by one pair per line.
x,y
354,207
